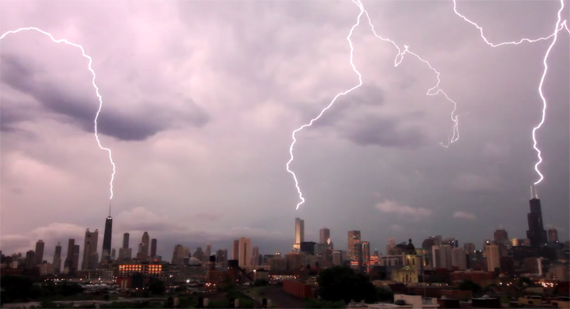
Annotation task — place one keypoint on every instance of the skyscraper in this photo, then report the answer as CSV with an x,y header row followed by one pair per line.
x,y
459,258
536,233
493,259
299,234
75,258
501,236
57,259
153,244
144,245
39,253
445,256
107,235
208,251
90,255
325,235
365,259
552,234
353,245
255,256
125,240
69,259
244,252
235,250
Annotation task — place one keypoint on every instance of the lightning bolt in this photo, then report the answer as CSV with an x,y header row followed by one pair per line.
x,y
435,90
558,27
94,85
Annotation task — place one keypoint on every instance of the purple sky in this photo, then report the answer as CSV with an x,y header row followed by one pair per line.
x,y
200,99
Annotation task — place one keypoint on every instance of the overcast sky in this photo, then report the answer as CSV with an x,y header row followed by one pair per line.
x,y
200,99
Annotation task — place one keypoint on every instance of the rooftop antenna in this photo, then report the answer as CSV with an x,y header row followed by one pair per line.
x,y
531,194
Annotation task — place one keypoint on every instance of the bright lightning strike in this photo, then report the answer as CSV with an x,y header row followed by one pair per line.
x,y
435,90
94,85
559,26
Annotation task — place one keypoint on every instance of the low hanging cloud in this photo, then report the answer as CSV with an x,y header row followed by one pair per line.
x,y
394,207
464,215
80,109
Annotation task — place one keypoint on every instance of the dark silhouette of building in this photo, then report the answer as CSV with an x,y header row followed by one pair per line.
x,y
107,235
57,259
69,259
153,244
536,233
39,253
125,240
308,247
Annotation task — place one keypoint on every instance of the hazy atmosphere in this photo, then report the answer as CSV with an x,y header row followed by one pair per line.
x,y
200,100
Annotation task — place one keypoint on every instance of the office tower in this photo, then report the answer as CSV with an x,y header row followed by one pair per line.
x,y
125,240
235,250
153,244
365,252
454,243
57,259
536,232
90,250
107,235
299,234
30,259
180,253
445,256
255,257
552,234
39,253
353,241
69,258
244,251
113,253
469,248
493,259
325,235
390,245
436,256
75,259
125,253
501,236
208,251
199,254
144,247
459,258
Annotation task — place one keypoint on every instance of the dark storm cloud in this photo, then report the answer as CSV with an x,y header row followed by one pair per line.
x,y
22,76
384,132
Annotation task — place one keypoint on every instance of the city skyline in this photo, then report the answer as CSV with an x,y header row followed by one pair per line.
x,y
200,134
242,249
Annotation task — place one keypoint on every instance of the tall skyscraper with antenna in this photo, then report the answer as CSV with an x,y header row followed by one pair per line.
x,y
106,256
536,233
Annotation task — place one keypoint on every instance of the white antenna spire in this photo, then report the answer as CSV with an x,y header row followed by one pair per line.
x,y
531,193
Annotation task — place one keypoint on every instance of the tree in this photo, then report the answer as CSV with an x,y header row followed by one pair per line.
x,y
469,285
342,283
156,286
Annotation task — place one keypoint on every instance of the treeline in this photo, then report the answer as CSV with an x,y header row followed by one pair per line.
x,y
23,289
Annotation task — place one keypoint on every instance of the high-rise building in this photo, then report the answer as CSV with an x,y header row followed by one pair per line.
x,y
125,240
113,253
255,257
153,244
436,256
459,258
107,235
30,259
244,259
39,253
390,245
365,251
75,259
493,258
145,245
299,234
536,232
235,250
501,236
353,244
57,259
469,248
180,253
208,251
445,256
552,235
90,250
68,264
325,235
